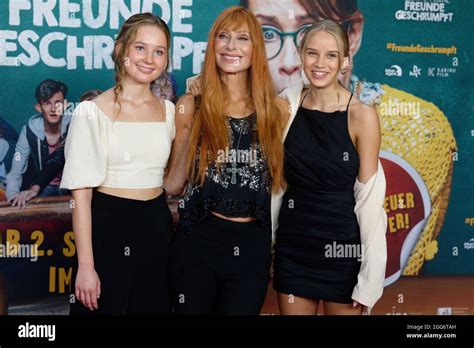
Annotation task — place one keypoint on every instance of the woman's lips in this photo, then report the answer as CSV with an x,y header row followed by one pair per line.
x,y
230,59
319,74
144,69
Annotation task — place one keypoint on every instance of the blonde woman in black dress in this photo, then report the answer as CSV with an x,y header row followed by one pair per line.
x,y
332,144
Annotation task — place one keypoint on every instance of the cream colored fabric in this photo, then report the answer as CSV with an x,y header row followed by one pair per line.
x,y
372,220
102,152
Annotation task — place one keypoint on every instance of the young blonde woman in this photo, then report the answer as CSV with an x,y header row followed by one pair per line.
x,y
222,253
116,152
330,242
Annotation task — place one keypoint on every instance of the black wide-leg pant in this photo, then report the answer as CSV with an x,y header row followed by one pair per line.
x,y
220,267
131,241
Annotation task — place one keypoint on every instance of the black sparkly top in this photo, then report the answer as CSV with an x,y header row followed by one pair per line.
x,y
241,188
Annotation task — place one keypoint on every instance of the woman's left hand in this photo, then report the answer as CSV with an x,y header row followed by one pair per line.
x,y
364,309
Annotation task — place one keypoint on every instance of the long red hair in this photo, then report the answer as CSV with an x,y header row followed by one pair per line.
x,y
209,131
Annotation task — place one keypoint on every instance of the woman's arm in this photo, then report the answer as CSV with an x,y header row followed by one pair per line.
x,y
176,175
365,122
87,281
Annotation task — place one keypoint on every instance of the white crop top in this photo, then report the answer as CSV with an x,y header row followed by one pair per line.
x,y
102,152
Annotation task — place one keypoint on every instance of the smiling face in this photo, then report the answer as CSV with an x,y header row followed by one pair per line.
x,y
322,59
234,50
147,55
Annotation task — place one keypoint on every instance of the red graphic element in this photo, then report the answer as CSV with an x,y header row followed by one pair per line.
x,y
406,204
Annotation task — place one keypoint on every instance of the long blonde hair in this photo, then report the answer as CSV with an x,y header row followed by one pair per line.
x,y
330,27
127,34
209,131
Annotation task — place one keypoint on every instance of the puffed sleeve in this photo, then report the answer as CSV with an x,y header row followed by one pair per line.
x,y
85,149
170,118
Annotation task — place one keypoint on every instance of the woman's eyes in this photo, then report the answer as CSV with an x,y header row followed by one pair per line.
x,y
226,37
142,49
330,55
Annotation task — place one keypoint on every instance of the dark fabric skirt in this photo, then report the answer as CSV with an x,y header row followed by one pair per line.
x,y
317,248
131,241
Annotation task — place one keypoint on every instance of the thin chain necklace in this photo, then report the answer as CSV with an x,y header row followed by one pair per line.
x,y
234,169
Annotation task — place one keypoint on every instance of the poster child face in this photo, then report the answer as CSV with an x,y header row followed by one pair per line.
x,y
52,108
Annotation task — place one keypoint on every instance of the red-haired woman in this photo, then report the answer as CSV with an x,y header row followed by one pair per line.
x,y
116,152
222,252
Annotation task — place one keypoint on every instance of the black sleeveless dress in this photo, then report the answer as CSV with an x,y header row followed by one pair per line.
x,y
317,249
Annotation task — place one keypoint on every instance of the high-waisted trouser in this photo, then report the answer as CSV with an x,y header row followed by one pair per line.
x,y
220,267
131,241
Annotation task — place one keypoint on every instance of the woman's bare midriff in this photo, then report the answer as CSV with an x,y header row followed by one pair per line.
x,y
234,219
138,194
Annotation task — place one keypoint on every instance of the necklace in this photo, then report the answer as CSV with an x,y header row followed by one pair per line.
x,y
234,169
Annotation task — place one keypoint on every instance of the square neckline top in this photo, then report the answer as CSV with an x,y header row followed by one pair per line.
x,y
118,154
101,112
346,110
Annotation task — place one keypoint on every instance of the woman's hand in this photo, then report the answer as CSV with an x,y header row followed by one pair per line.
x,y
195,85
364,309
88,286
